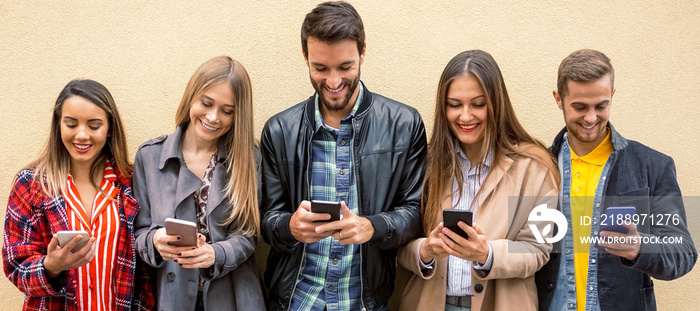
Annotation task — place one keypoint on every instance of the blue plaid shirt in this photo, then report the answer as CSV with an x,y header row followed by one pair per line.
x,y
330,275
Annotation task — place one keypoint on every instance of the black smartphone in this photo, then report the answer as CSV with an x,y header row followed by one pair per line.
x,y
613,219
332,208
451,217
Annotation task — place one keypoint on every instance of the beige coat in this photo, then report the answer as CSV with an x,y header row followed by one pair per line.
x,y
510,284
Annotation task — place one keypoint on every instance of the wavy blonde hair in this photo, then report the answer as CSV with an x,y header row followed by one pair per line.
x,y
242,186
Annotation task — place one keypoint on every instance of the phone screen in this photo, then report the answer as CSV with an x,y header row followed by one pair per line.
x,y
332,208
615,217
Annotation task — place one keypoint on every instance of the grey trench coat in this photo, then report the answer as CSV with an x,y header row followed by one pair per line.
x,y
164,187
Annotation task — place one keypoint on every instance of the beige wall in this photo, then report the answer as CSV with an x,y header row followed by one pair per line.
x,y
145,51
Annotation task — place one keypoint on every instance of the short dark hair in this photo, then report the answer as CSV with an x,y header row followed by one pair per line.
x,y
583,65
332,22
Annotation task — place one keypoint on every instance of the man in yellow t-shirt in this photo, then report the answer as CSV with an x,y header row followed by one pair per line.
x,y
599,169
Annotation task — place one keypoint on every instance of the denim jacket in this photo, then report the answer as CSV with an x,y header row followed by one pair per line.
x,y
647,178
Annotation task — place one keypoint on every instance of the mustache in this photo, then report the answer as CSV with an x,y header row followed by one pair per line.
x,y
351,84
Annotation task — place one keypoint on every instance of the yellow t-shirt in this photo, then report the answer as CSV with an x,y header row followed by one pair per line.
x,y
585,172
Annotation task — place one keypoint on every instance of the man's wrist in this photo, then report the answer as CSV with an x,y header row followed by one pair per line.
x,y
368,227
379,227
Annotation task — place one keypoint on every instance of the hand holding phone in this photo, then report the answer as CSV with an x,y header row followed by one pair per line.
x,y
332,208
59,259
614,218
185,229
66,236
304,222
451,218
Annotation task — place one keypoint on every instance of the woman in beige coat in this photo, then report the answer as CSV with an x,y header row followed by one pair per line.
x,y
479,159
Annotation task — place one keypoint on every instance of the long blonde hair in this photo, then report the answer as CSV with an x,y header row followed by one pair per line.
x,y
502,134
242,186
52,167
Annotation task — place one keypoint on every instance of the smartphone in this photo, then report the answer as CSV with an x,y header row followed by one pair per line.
x,y
332,208
615,217
67,235
451,217
185,229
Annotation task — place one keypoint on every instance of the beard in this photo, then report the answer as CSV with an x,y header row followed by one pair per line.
x,y
573,129
350,84
588,137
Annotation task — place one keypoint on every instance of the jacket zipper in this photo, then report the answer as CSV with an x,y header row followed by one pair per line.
x,y
294,287
303,252
359,212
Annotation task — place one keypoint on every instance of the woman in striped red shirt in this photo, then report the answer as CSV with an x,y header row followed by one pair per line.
x,y
81,181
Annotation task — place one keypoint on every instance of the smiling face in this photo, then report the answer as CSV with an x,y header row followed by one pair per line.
x,y
586,112
466,113
84,130
211,114
334,70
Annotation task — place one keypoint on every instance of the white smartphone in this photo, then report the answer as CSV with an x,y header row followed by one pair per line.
x,y
67,235
185,229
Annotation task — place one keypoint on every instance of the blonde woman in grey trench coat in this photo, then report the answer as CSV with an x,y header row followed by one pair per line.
x,y
204,172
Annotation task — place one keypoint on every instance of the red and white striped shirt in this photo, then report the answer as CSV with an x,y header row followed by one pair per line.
x,y
96,285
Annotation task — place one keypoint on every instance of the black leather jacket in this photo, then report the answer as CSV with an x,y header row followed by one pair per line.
x,y
389,152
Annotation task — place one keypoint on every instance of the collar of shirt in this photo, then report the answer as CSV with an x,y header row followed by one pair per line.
x,y
73,199
599,155
172,148
319,117
466,164
109,176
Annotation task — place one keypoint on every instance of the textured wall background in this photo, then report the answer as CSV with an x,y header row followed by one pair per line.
x,y
145,52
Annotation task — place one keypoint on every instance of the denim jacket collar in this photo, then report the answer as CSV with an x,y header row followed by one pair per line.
x,y
618,141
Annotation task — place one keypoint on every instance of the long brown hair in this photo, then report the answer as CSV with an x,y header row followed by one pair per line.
x,y
52,166
503,132
242,186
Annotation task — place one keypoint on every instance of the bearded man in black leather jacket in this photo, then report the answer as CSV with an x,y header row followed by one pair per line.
x,y
343,144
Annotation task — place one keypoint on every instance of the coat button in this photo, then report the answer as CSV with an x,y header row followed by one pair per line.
x,y
170,276
550,286
479,288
